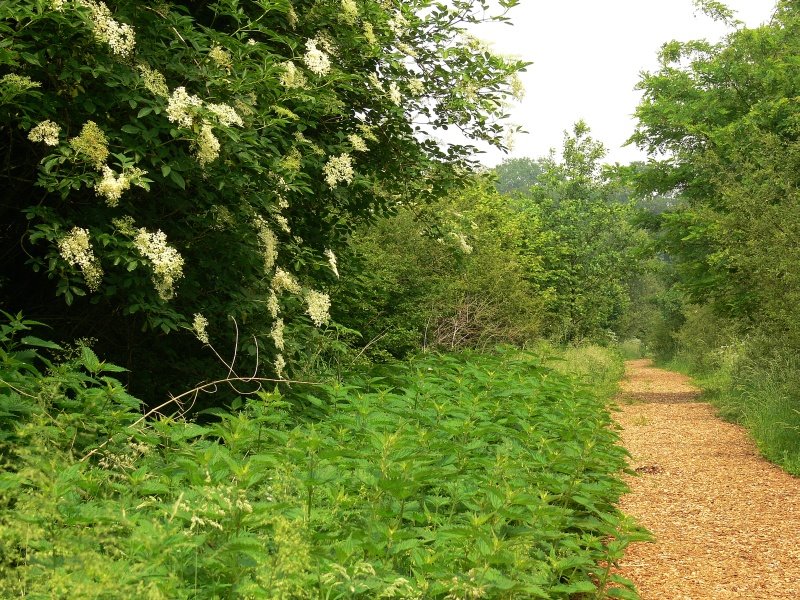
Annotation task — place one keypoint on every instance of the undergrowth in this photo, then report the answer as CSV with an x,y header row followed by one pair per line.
x,y
449,477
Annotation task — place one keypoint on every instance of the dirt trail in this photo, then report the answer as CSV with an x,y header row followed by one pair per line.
x,y
726,522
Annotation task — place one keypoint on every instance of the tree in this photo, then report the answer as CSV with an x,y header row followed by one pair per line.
x,y
583,242
170,166
725,120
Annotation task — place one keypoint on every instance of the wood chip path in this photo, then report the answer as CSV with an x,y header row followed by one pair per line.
x,y
726,522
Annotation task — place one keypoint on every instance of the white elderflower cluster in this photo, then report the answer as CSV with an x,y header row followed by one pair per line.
x,y
118,36
317,306
276,333
416,86
332,262
349,12
375,82
124,225
283,223
291,76
291,17
461,240
284,281
46,132
76,249
367,133
153,81
369,34
316,60
92,143
199,325
517,87
18,83
221,57
273,306
268,243
225,114
112,185
182,107
338,169
398,24
167,263
206,145
357,142
57,5
394,94
280,365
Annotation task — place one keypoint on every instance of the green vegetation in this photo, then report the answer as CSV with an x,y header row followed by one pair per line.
x,y
352,364
447,477
727,117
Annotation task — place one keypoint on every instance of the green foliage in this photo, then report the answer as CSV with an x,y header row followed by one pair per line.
x,y
599,367
723,120
445,478
445,276
266,131
581,239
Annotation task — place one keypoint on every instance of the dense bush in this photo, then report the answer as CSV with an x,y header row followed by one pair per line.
x,y
169,166
443,276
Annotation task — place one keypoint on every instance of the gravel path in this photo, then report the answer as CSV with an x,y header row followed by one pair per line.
x,y
726,522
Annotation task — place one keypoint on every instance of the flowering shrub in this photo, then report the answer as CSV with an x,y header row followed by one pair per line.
x,y
176,159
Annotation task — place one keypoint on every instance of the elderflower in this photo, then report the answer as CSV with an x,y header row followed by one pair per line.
x,y
394,94
277,334
206,145
291,17
461,240
225,114
46,132
367,133
112,186
221,57
118,36
291,76
398,24
284,281
280,365
317,306
316,60
283,223
374,81
332,262
57,5
199,325
76,249
273,306
167,263
349,12
337,169
416,87
153,81
357,142
369,34
92,143
268,242
19,83
181,107
124,225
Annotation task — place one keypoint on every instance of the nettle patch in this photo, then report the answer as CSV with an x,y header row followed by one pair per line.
x,y
465,476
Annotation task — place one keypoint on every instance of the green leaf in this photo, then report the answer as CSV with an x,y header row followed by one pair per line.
x,y
35,341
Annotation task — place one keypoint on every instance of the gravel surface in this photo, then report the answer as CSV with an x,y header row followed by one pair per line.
x,y
726,522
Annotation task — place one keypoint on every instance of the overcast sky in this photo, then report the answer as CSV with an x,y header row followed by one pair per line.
x,y
587,56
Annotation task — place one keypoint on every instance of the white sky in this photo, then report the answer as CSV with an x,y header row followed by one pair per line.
x,y
587,56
